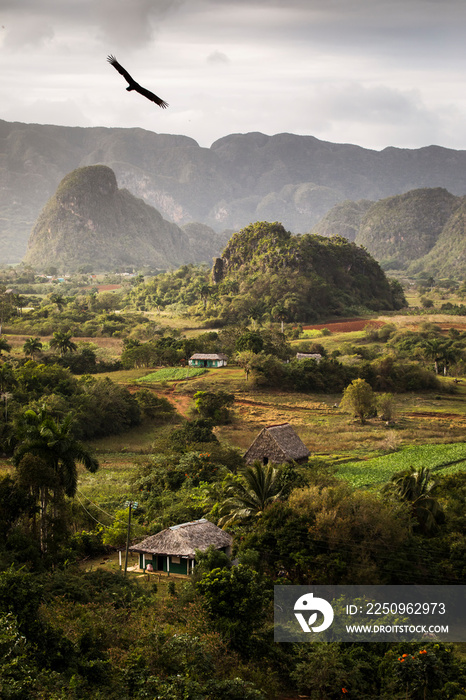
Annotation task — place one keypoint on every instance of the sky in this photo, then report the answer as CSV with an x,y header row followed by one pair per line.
x,y
375,73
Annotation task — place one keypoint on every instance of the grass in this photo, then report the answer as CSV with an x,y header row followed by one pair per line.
x,y
172,374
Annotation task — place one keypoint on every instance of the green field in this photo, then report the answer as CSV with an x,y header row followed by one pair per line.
x,y
373,472
172,374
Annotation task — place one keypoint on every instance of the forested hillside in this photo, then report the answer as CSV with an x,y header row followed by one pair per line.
x,y
421,231
299,278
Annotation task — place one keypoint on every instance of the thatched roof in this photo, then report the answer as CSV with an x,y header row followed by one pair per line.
x,y
278,443
182,540
209,356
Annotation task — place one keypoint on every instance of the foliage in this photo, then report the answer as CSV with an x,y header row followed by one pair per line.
x,y
214,405
334,536
192,432
414,487
153,407
358,398
235,599
249,495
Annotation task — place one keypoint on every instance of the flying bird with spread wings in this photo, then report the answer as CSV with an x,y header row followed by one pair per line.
x,y
133,85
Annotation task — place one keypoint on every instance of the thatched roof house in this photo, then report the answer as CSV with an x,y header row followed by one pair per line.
x,y
206,359
173,549
277,444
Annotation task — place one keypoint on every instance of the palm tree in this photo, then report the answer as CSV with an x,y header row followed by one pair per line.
x,y
63,343
433,350
58,299
249,497
414,486
32,346
53,450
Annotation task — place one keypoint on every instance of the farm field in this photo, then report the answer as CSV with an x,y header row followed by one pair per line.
x,y
172,374
428,429
444,459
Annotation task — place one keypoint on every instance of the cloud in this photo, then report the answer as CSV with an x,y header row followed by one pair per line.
x,y
128,23
132,22
217,58
31,31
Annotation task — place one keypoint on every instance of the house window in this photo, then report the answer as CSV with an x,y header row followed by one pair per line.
x,y
175,560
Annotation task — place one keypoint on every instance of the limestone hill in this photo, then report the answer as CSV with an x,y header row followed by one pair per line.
x,y
89,221
419,231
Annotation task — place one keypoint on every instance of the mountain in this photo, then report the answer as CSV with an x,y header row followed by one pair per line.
x,y
447,258
344,219
89,221
241,178
266,271
407,226
420,231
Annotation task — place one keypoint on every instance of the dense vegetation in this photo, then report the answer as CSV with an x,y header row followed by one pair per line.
x,y
267,273
398,518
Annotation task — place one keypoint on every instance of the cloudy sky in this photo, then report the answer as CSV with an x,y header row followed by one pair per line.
x,y
372,72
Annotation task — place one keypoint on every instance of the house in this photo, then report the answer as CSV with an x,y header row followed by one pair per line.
x,y
277,444
172,550
309,356
213,359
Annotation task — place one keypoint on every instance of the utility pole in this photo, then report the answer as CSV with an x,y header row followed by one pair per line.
x,y
130,507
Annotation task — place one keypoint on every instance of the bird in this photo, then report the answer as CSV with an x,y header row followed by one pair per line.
x,y
133,85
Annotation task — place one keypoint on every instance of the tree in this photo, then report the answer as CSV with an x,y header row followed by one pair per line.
x,y
214,405
250,495
414,486
204,292
245,359
279,311
433,350
359,399
32,346
250,341
4,345
57,299
46,458
235,599
63,343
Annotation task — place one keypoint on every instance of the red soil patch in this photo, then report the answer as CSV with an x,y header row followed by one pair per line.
x,y
346,326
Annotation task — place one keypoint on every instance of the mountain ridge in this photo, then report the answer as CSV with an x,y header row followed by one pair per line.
x,y
240,178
